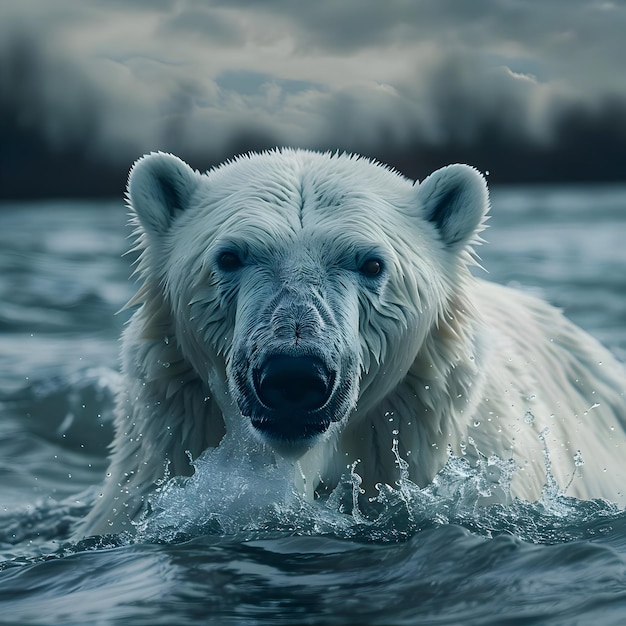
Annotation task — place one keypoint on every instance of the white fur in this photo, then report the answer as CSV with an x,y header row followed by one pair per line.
x,y
443,358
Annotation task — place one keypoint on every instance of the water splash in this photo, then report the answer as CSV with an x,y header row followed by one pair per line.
x,y
253,494
237,487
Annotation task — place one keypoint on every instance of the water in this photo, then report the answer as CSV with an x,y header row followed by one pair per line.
x,y
244,548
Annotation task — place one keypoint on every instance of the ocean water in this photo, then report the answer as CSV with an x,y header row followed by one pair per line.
x,y
242,547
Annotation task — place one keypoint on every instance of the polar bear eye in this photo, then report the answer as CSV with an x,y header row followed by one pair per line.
x,y
371,267
229,261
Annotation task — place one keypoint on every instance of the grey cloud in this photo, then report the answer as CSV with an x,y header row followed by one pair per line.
x,y
449,79
326,25
205,22
136,5
534,26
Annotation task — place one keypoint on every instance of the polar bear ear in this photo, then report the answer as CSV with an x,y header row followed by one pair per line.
x,y
455,199
160,186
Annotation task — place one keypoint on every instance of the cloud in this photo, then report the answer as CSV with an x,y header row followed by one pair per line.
x,y
110,80
206,24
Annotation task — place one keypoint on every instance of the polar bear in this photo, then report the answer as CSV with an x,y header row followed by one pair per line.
x,y
321,305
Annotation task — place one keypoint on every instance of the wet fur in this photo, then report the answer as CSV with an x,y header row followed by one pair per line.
x,y
430,352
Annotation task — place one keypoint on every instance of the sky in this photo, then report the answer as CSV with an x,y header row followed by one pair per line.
x,y
530,91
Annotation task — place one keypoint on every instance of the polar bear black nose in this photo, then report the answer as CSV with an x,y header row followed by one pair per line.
x,y
293,383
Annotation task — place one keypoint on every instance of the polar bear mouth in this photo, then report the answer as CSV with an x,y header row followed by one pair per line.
x,y
294,396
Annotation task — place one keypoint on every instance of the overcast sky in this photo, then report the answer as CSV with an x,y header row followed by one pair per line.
x,y
537,87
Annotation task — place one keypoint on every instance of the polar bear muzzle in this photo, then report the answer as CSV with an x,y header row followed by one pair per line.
x,y
290,400
294,367
291,384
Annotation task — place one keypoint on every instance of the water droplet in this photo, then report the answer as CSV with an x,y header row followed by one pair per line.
x,y
595,405
426,386
476,423
529,418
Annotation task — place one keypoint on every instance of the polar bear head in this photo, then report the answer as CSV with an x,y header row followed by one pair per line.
x,y
300,286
